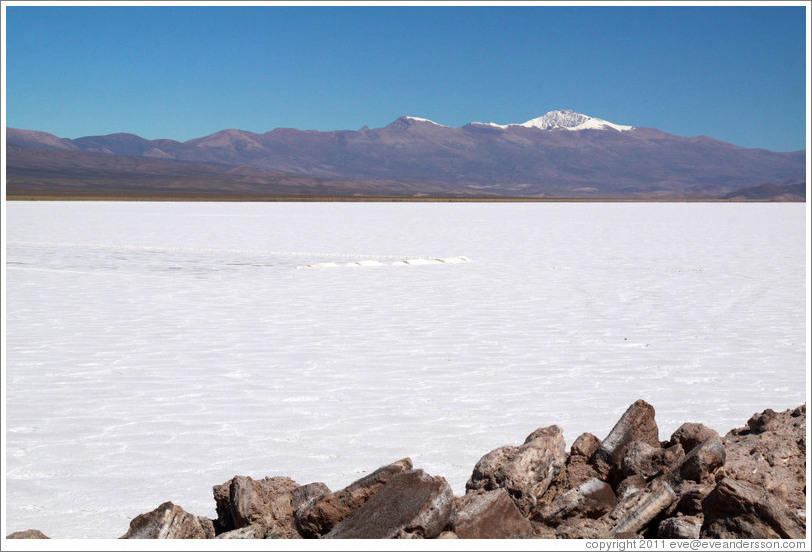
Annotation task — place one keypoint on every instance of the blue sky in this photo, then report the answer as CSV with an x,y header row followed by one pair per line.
x,y
737,73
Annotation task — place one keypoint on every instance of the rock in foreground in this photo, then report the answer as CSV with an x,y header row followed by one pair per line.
x,y
749,484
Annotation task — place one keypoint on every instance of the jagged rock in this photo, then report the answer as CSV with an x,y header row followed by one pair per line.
x,y
410,504
691,496
576,470
243,501
771,454
648,461
593,498
581,528
304,494
167,521
254,531
208,527
319,515
637,509
701,463
585,445
763,421
683,527
222,501
640,459
27,534
488,515
690,435
630,485
637,425
525,472
253,501
737,509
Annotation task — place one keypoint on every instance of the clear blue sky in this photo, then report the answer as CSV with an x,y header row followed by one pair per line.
x,y
734,73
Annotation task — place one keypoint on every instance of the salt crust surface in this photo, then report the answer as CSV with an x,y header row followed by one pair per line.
x,y
157,349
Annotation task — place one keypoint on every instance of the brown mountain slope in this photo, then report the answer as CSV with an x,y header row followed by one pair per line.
x,y
37,172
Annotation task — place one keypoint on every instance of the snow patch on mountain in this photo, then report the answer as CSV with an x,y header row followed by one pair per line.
x,y
420,119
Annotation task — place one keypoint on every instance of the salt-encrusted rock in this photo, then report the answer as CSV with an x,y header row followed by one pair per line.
x,y
585,445
525,472
488,515
592,498
167,521
637,425
737,509
771,454
411,504
638,509
683,527
319,515
691,435
701,463
243,501
27,534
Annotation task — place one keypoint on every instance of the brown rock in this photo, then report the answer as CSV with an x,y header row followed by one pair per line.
x,y
411,504
701,463
581,528
691,435
447,535
771,454
737,509
255,501
691,496
683,527
764,421
630,485
637,425
636,510
525,472
27,534
585,445
489,515
304,494
319,515
641,459
243,501
222,501
593,498
208,527
167,521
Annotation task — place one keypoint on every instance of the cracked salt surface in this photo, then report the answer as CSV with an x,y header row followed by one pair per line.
x,y
155,350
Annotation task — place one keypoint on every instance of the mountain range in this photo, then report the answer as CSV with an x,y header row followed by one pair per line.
x,y
561,154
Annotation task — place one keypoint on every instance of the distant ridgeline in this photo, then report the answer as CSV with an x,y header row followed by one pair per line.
x,y
562,154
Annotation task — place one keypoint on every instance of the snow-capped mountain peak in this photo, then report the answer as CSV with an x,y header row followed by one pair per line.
x,y
564,119
569,120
